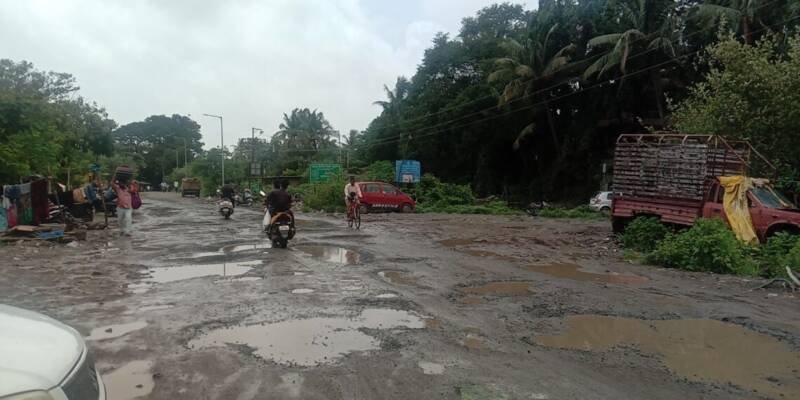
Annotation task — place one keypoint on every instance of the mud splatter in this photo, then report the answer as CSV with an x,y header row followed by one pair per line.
x,y
115,331
574,272
336,255
312,341
130,381
697,349
499,289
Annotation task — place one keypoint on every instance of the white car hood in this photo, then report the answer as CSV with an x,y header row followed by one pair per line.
x,y
36,351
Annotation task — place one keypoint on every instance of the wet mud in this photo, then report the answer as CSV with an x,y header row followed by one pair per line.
x,y
574,272
115,331
696,349
130,381
499,289
331,254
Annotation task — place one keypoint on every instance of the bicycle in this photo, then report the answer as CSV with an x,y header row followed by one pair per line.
x,y
353,213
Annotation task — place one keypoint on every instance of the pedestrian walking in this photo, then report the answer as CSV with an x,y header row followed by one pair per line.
x,y
124,207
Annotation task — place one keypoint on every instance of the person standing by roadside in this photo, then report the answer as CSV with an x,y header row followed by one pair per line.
x,y
124,207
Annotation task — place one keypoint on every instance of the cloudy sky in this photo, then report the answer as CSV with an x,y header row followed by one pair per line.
x,y
249,61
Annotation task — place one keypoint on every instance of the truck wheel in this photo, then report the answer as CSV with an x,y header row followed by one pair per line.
x,y
618,224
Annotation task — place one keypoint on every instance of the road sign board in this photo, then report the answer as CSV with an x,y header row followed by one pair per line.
x,y
407,171
323,172
255,169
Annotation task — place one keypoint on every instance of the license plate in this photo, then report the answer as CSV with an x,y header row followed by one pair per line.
x,y
283,228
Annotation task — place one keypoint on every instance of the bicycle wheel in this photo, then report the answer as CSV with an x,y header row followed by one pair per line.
x,y
357,215
349,217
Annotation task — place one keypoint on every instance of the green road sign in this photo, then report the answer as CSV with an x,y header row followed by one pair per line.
x,y
323,172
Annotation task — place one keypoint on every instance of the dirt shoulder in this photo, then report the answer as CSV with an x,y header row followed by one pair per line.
x,y
411,306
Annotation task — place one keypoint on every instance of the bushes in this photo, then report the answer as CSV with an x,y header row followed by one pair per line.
x,y
582,212
435,194
707,246
495,207
780,251
325,196
643,234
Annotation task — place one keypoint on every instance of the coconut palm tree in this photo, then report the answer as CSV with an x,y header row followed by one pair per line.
x,y
305,129
396,96
743,15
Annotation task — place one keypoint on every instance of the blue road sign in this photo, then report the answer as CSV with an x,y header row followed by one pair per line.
x,y
407,171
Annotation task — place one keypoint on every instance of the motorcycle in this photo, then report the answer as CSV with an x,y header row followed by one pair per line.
x,y
281,229
536,206
225,208
247,198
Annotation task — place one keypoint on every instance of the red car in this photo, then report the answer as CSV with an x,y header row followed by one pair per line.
x,y
383,196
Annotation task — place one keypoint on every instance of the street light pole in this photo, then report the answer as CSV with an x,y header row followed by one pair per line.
x,y
185,153
253,152
221,144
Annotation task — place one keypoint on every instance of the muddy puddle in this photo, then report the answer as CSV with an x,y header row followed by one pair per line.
x,y
574,272
332,254
699,350
237,248
473,342
239,279
115,331
499,289
170,274
386,296
302,291
398,277
312,341
130,381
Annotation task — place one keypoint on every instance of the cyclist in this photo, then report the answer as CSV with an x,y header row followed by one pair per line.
x,y
352,193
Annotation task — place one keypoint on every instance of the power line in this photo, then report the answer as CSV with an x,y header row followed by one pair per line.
x,y
586,60
582,90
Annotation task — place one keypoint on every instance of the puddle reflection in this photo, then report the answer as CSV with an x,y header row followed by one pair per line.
x,y
336,255
171,274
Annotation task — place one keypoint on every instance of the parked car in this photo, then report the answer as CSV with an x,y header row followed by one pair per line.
x,y
676,178
43,359
601,202
379,196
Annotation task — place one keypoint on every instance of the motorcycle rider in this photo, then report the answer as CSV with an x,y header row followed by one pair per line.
x,y
278,201
228,193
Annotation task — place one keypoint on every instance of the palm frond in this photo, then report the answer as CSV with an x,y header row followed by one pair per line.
x,y
524,133
604,40
524,71
712,13
662,44
512,47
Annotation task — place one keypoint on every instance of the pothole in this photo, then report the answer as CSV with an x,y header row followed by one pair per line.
x,y
574,272
115,331
170,274
386,296
302,291
398,277
337,255
130,381
312,341
236,248
697,349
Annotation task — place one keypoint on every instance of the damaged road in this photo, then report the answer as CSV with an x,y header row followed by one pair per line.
x,y
409,307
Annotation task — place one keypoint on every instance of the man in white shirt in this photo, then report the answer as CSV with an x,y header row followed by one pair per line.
x,y
351,187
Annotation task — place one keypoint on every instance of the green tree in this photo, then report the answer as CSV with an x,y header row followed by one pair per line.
x,y
751,93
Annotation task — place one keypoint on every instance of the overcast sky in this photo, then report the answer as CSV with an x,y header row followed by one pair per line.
x,y
249,61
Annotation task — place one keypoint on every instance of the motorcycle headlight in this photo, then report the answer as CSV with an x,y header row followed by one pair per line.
x,y
37,395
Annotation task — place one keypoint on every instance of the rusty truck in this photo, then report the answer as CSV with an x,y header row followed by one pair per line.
x,y
675,178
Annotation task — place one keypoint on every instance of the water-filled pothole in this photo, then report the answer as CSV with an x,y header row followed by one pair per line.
x,y
574,272
398,277
697,349
236,248
115,331
312,341
130,381
332,254
170,274
302,291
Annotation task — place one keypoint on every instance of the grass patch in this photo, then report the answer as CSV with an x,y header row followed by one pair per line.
x,y
580,212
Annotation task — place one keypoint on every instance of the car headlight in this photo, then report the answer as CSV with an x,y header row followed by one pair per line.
x,y
37,395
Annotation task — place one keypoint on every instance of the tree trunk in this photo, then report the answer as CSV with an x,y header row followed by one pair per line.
x,y
552,126
748,35
655,76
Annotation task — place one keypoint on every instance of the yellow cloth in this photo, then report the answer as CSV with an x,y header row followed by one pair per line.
x,y
736,209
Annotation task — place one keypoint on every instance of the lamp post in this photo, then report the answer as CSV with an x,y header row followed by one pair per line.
x,y
253,152
221,144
